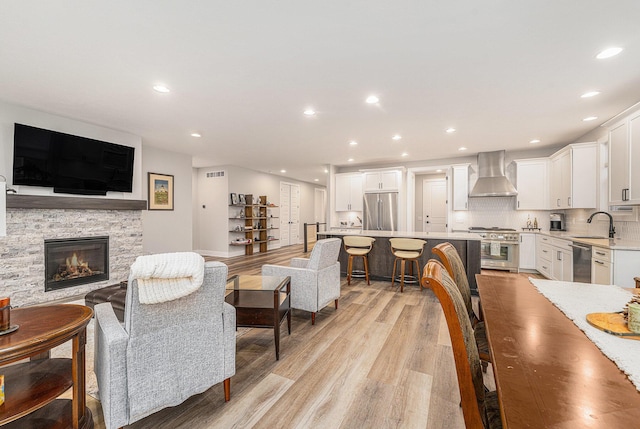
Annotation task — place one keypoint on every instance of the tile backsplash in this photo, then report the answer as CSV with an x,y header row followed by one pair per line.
x,y
501,212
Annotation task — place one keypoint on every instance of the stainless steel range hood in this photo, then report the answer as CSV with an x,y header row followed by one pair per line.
x,y
492,181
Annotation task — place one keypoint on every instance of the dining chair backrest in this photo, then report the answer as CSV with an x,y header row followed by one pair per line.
x,y
465,351
455,267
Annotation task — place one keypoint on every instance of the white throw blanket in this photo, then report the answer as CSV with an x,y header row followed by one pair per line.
x,y
167,276
576,300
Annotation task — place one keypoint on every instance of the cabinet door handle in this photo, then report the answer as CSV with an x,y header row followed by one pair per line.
x,y
559,255
569,201
599,262
518,204
600,253
545,267
465,205
558,202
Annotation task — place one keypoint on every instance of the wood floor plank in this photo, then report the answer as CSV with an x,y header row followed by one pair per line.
x,y
410,402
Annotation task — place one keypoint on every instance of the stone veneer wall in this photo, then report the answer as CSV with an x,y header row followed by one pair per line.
x,y
22,250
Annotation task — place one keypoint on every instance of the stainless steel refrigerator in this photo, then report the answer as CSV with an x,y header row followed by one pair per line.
x,y
381,211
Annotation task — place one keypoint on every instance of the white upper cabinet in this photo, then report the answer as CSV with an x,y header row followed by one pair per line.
x,y
382,181
573,178
348,192
532,184
624,155
460,185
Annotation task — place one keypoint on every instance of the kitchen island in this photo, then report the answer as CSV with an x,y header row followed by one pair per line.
x,y
381,259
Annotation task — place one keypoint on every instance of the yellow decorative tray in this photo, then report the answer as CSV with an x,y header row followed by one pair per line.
x,y
612,323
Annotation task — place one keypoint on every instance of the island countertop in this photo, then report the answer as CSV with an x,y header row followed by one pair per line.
x,y
404,234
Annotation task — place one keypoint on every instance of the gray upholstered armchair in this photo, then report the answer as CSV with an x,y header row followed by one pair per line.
x,y
315,281
166,351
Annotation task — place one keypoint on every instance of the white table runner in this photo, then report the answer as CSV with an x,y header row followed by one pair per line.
x,y
576,300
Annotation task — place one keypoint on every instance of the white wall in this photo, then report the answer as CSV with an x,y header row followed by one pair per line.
x,y
211,222
10,114
169,230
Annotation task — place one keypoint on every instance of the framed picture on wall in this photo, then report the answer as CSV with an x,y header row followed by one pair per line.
x,y
234,199
242,199
160,195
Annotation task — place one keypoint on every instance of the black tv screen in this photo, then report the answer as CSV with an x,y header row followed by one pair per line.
x,y
70,164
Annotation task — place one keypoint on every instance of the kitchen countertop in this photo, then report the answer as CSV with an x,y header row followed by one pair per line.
x,y
407,234
613,244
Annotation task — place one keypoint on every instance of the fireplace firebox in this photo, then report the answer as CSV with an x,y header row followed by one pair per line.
x,y
75,261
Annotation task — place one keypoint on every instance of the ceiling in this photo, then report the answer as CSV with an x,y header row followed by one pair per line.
x,y
241,73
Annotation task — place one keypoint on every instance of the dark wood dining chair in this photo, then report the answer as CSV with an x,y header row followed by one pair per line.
x,y
479,408
455,268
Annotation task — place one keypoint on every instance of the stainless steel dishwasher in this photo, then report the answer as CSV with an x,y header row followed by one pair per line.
x,y
581,262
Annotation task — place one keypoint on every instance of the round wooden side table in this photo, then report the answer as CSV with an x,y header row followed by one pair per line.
x,y
31,387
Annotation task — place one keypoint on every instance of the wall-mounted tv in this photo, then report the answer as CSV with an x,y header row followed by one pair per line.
x,y
70,164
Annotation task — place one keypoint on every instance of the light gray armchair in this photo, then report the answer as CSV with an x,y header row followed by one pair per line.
x,y
315,282
165,352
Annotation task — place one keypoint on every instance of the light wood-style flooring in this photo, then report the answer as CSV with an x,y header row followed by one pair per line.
x,y
382,360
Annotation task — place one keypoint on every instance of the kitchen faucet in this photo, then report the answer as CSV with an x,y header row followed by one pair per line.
x,y
612,230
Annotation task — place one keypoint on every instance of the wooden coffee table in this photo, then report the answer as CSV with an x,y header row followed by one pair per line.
x,y
261,302
31,388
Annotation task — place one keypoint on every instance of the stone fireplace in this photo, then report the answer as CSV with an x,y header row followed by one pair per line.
x,y
32,220
75,261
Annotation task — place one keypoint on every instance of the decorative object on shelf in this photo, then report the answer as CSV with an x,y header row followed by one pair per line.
x,y
242,199
160,195
234,199
535,222
5,313
241,215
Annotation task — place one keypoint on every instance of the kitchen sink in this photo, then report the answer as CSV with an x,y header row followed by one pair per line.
x,y
592,237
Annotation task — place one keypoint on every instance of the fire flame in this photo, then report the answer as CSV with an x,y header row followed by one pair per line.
x,y
74,263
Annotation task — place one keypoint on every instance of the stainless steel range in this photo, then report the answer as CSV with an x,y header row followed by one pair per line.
x,y
499,248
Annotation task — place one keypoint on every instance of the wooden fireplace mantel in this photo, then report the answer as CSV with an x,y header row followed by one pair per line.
x,y
15,201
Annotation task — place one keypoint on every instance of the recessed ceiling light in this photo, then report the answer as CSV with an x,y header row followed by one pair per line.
x,y
316,180
326,170
309,112
590,94
161,88
439,170
396,137
196,135
353,143
462,148
405,154
283,171
350,160
590,118
450,130
372,99
534,141
609,52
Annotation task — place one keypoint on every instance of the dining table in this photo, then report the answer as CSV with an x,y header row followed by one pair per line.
x,y
548,373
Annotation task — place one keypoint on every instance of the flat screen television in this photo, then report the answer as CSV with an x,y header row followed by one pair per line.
x,y
70,164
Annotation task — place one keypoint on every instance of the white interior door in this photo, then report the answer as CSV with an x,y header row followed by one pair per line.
x,y
289,214
434,205
320,206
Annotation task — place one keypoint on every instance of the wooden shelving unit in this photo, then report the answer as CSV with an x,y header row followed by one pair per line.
x,y
254,228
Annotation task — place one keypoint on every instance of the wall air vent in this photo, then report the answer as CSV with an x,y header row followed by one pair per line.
x,y
214,174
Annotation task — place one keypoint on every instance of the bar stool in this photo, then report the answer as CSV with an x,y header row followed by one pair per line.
x,y
358,246
406,249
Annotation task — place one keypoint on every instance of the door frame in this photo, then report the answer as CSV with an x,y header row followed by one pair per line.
x,y
411,192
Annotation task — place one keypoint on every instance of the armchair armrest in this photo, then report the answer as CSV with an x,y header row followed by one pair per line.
x,y
110,365
299,262
304,285
229,335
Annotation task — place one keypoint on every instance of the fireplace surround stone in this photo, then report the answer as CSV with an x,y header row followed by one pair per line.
x,y
22,250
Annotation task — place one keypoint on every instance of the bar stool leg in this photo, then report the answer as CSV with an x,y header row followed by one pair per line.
x,y
419,272
349,269
402,268
393,276
366,268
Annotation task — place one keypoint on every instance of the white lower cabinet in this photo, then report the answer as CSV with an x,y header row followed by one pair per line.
x,y
527,251
554,258
543,255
